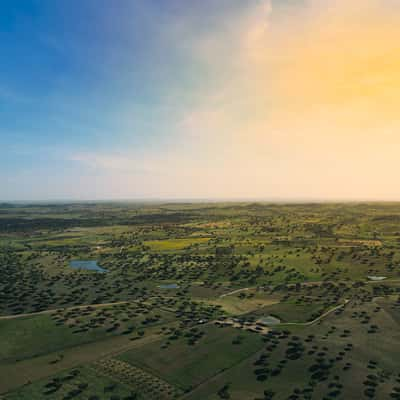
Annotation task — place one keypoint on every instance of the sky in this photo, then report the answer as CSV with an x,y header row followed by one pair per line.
x,y
182,99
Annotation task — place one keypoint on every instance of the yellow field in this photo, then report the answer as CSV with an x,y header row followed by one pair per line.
x,y
174,244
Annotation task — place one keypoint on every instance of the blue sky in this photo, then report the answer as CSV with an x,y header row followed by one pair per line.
x,y
196,99
93,75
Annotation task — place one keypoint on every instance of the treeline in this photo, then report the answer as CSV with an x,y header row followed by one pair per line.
x,y
17,224
9,225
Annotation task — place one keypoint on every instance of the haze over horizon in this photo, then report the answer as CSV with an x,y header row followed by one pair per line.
x,y
263,99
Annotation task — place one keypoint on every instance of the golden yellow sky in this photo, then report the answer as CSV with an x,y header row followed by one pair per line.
x,y
324,84
344,56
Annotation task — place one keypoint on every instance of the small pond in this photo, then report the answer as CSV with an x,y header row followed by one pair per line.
x,y
270,320
376,278
88,265
169,286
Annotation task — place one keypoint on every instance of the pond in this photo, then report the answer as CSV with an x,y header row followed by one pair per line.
x,y
376,278
270,320
169,286
86,264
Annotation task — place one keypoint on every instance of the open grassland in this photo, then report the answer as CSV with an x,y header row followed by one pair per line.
x,y
196,363
34,336
37,335
79,383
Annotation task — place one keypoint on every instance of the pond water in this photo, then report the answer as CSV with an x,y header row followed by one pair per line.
x,y
270,320
169,286
86,264
376,278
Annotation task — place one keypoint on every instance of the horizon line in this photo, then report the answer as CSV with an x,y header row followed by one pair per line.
x,y
178,200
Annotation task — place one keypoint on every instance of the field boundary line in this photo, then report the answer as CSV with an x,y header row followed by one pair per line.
x,y
220,372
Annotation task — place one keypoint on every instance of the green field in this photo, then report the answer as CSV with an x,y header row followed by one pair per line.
x,y
79,383
195,364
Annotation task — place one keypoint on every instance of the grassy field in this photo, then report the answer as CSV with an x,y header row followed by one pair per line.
x,y
195,364
37,335
79,383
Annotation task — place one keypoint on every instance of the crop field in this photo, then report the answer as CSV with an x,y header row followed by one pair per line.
x,y
200,301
